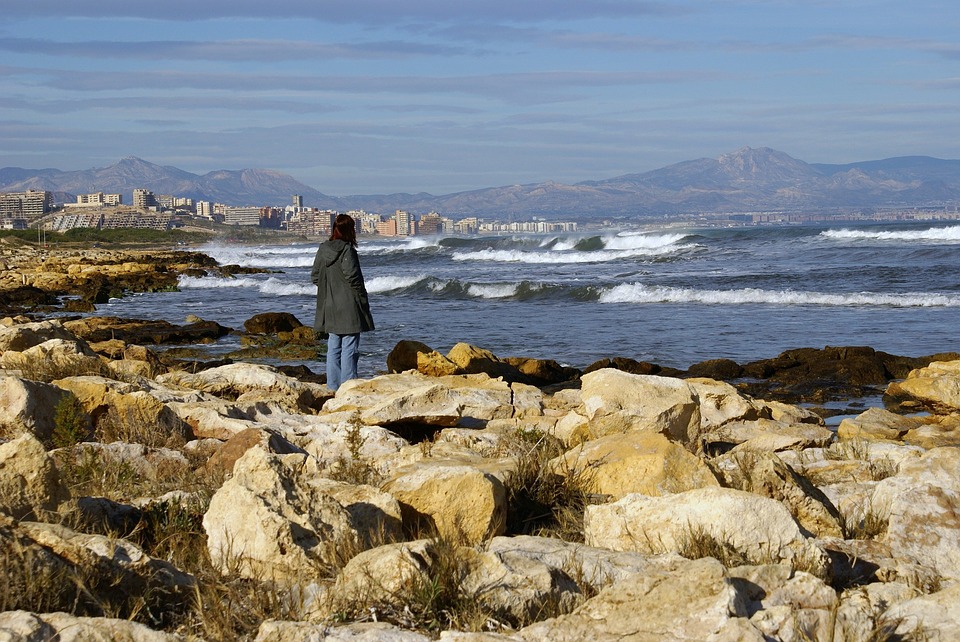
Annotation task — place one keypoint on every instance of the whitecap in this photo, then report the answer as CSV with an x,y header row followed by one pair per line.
x,y
642,293
937,234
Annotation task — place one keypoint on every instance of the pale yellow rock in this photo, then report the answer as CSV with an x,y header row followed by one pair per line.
x,y
758,528
637,462
616,402
877,423
765,474
30,484
937,385
923,504
270,522
460,502
695,601
28,407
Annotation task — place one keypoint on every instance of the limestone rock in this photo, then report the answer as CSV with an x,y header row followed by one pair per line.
x,y
411,397
23,626
770,435
877,423
459,502
757,528
52,357
406,354
250,381
696,601
30,484
637,462
271,522
861,610
932,617
766,474
385,575
923,504
272,631
227,455
617,402
21,336
720,402
936,386
591,567
121,410
28,407
517,586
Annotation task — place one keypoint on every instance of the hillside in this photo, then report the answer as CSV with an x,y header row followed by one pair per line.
x,y
745,180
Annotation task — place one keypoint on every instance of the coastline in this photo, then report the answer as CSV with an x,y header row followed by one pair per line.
x,y
469,469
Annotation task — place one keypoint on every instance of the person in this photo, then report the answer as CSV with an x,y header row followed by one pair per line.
x,y
343,308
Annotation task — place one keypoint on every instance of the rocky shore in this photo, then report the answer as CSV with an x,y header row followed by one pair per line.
x,y
460,496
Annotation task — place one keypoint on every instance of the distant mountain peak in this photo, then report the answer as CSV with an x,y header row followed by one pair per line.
x,y
747,179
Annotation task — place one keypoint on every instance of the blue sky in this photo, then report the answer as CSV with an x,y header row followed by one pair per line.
x,y
380,96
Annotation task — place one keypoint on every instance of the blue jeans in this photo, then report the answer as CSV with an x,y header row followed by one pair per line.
x,y
343,353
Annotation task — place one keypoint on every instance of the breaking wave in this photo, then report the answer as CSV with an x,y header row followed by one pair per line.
x,y
937,234
640,293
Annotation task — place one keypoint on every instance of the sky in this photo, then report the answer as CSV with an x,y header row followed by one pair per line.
x,y
443,96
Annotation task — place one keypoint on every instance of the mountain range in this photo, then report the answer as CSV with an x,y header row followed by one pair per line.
x,y
749,179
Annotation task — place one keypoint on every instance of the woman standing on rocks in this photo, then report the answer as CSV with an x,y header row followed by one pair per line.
x,y
343,310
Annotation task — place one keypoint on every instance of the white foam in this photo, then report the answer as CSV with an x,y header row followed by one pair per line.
x,y
271,285
492,291
641,293
943,234
640,240
559,257
390,283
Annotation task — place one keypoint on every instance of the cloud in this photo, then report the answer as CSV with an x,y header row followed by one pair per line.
x,y
228,50
356,11
516,88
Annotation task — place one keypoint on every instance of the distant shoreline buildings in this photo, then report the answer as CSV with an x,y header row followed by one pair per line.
x,y
34,208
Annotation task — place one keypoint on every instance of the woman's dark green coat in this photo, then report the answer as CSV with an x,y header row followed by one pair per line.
x,y
342,304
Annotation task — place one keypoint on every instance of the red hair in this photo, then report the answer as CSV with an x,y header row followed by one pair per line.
x,y
345,229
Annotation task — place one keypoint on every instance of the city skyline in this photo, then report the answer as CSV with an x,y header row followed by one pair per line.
x,y
439,97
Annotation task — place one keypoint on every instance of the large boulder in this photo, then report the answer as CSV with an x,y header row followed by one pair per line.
x,y
766,474
251,383
277,518
936,386
458,502
693,601
21,336
29,407
922,502
414,398
758,529
30,484
637,462
877,424
271,323
123,411
617,402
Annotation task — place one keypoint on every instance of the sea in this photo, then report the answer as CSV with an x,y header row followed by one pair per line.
x,y
672,296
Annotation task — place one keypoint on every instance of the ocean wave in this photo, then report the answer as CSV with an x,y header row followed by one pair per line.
x,y
406,245
381,284
270,286
940,234
493,290
641,293
564,256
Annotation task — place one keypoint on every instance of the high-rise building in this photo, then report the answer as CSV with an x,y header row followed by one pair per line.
x,y
30,204
144,198
298,201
